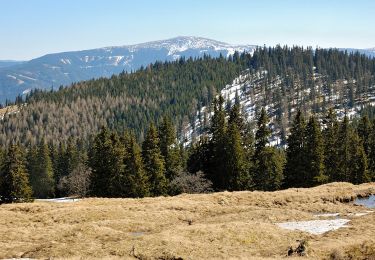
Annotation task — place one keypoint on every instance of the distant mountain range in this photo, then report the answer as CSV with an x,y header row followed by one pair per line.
x,y
53,70
8,63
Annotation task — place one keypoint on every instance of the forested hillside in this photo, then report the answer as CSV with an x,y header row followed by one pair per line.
x,y
282,80
129,100
296,79
118,137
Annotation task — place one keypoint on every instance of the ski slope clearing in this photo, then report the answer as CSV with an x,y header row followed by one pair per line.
x,y
235,225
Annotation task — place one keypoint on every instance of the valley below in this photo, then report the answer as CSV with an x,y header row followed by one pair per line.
x,y
224,225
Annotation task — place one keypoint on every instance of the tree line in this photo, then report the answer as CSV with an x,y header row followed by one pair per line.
x,y
232,155
181,88
317,152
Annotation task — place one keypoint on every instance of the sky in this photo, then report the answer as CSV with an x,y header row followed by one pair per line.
x,y
32,28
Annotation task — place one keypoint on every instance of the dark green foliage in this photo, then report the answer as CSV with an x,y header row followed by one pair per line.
x,y
358,172
200,156
315,154
235,161
263,133
364,132
296,167
371,156
268,163
331,142
154,163
116,168
137,181
269,169
100,161
216,168
14,182
169,148
342,172
40,169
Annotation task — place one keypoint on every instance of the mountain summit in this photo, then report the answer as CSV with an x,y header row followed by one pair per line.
x,y
53,70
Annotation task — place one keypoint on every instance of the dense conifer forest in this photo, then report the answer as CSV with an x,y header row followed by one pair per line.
x,y
118,137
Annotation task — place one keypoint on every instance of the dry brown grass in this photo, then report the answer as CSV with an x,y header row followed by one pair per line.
x,y
237,225
8,109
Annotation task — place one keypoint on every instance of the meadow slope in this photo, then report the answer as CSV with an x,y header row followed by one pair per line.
x,y
225,225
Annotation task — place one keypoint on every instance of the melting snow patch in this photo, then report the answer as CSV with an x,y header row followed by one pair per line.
x,y
360,214
315,227
327,215
59,200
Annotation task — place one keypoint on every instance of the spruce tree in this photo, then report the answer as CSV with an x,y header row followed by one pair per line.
x,y
72,156
235,164
295,169
100,158
364,132
154,163
314,154
358,161
262,134
41,171
116,168
169,148
371,155
136,178
268,164
216,169
330,136
14,182
270,169
342,172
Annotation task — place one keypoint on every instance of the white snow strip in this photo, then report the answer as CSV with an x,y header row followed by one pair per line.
x,y
26,91
26,77
11,76
327,215
360,214
316,227
58,200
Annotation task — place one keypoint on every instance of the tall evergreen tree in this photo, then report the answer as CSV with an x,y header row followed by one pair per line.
x,y
314,154
14,182
295,169
270,169
136,178
364,132
268,164
154,163
100,157
169,148
237,174
358,172
344,165
330,136
116,168
371,155
262,134
218,127
41,171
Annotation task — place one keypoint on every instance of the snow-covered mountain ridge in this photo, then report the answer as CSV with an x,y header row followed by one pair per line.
x,y
53,70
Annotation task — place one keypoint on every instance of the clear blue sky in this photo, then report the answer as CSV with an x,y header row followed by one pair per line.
x,y
31,28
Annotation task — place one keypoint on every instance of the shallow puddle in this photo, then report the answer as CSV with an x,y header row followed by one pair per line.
x,y
368,202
